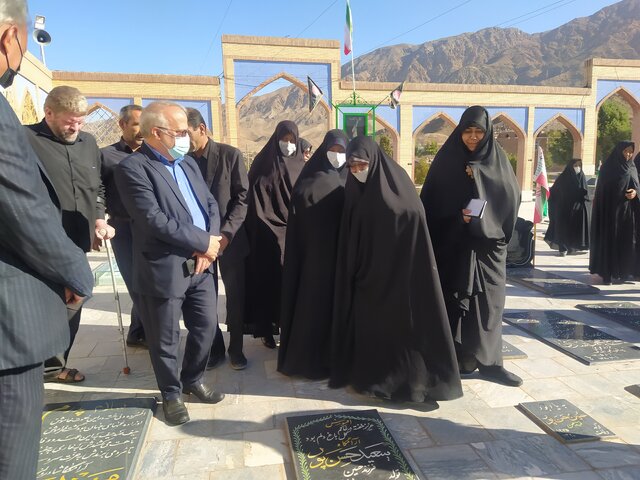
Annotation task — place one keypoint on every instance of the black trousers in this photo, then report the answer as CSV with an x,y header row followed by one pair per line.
x,y
56,363
161,316
233,277
122,245
21,393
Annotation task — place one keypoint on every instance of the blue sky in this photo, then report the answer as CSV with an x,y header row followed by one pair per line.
x,y
161,36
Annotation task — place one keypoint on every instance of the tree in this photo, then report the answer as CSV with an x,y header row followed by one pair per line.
x,y
420,171
559,147
385,145
614,125
513,160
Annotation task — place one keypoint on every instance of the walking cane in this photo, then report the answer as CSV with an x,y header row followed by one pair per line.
x,y
126,370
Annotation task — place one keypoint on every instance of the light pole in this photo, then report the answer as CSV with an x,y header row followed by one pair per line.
x,y
41,36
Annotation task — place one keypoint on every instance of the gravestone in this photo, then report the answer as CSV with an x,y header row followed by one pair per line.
x,y
509,352
93,440
565,421
102,275
576,339
625,313
353,444
549,283
633,390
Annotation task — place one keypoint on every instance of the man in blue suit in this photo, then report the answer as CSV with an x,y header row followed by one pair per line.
x,y
40,270
175,226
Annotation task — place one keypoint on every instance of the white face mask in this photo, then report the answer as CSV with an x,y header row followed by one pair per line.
x,y
181,147
337,159
577,169
361,176
287,148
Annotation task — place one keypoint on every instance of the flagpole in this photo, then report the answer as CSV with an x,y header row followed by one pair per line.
x,y
353,74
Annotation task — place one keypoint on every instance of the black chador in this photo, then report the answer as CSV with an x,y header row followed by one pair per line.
x,y
472,256
569,210
614,226
271,179
310,261
390,335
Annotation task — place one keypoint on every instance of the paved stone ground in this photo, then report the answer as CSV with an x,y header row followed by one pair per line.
x,y
481,435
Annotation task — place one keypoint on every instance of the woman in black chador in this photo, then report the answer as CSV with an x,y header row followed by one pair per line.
x,y
310,261
390,335
613,228
569,211
272,175
471,252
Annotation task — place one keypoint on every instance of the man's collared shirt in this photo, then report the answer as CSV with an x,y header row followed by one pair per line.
x,y
112,156
200,220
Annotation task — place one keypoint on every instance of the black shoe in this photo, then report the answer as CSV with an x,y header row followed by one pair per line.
x,y
238,361
498,374
204,393
175,412
214,361
269,341
562,253
137,342
467,366
606,280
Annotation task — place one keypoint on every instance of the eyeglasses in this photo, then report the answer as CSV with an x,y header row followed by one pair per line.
x,y
175,133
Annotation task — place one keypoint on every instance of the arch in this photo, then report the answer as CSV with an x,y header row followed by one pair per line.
x,y
520,141
291,79
29,114
626,95
102,123
506,119
433,117
395,137
575,134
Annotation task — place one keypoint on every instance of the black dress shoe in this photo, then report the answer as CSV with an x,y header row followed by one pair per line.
x,y
204,393
137,342
498,374
269,341
238,361
214,361
175,412
467,366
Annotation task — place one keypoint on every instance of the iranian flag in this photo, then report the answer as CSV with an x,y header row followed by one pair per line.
x,y
542,187
348,30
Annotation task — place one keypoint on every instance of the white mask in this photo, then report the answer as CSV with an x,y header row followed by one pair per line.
x,y
361,176
336,159
287,148
577,169
181,147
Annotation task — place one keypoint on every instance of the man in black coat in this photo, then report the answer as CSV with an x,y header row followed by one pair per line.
x,y
118,217
71,159
223,169
40,270
175,222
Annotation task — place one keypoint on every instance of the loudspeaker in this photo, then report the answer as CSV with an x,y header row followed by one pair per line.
x,y
41,37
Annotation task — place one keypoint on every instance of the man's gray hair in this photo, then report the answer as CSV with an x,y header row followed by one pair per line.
x,y
153,116
125,112
13,11
64,99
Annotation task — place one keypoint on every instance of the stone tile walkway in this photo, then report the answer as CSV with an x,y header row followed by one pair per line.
x,y
481,435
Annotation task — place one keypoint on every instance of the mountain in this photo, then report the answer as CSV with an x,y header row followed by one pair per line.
x,y
489,56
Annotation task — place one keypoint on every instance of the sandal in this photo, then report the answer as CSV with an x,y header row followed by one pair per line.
x,y
70,376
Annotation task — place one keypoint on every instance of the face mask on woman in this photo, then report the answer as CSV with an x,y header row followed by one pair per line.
x,y
577,169
361,176
287,148
336,159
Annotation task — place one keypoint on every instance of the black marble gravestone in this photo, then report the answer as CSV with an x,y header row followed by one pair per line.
x,y
625,313
509,352
573,338
96,440
633,390
549,283
565,421
353,444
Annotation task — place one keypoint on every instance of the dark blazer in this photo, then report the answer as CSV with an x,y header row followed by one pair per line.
x,y
37,259
112,155
164,235
74,169
223,169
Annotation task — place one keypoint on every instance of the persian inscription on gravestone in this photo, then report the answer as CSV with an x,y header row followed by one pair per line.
x,y
96,440
509,352
354,444
625,313
549,283
576,339
565,421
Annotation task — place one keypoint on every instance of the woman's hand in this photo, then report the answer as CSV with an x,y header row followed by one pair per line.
x,y
465,215
631,194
